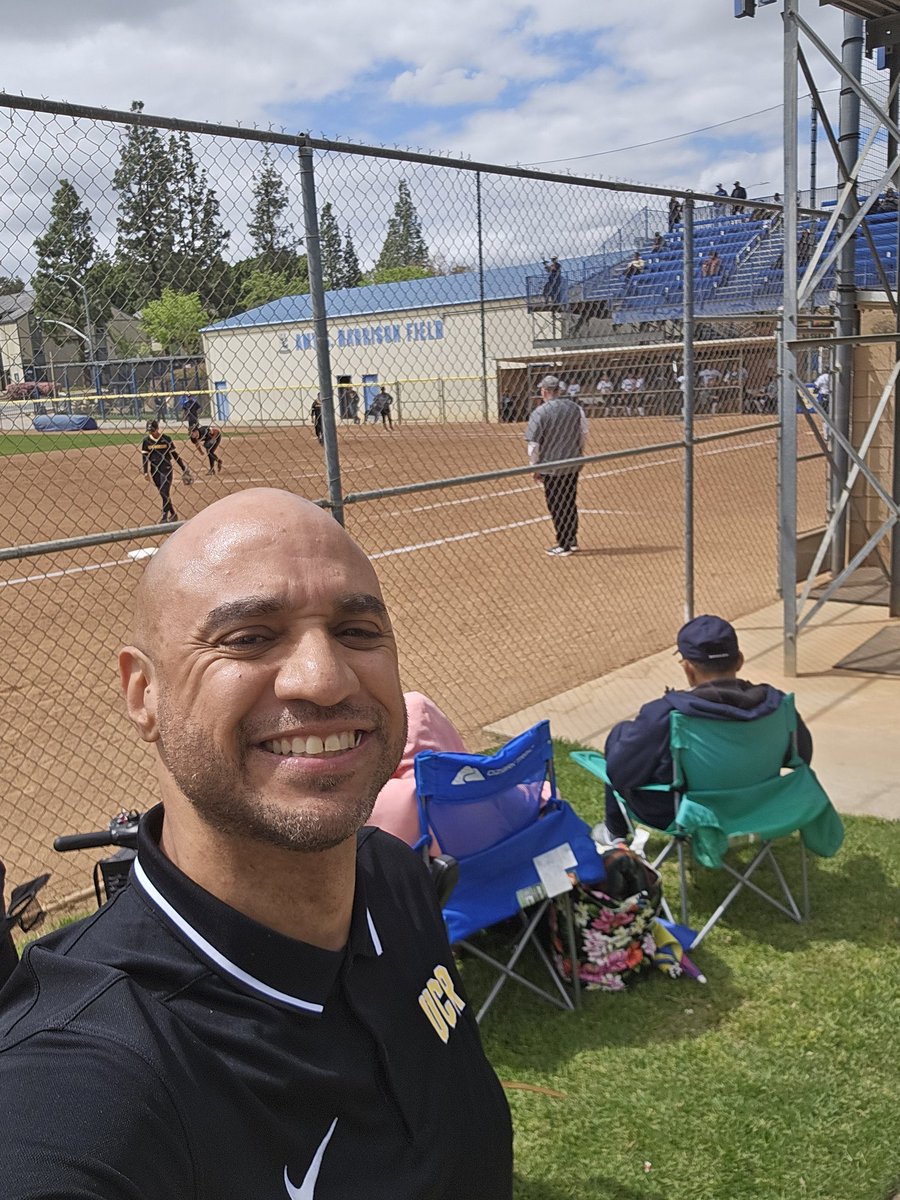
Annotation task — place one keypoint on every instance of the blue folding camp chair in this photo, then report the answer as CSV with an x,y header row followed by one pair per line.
x,y
493,815
734,780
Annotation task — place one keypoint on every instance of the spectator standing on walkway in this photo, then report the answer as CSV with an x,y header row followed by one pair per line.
x,y
738,192
637,752
556,430
719,206
674,212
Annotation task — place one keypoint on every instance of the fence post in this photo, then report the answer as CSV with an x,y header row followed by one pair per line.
x,y
320,329
688,400
484,394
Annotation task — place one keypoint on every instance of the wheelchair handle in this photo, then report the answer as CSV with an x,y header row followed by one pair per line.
x,y
123,835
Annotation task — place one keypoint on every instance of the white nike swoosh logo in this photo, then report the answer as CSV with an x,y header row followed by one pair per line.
x,y
307,1189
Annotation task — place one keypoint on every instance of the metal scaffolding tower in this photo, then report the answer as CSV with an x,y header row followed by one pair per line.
x,y
874,25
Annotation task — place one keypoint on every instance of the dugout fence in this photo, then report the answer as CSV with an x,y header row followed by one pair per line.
x,y
381,268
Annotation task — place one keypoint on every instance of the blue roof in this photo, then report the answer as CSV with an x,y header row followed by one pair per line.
x,y
437,291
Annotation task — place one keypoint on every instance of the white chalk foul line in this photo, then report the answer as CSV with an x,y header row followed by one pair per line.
x,y
458,537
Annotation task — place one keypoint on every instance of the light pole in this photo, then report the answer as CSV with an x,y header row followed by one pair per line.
x,y
87,315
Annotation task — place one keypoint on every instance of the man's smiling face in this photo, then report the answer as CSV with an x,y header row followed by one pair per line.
x,y
277,705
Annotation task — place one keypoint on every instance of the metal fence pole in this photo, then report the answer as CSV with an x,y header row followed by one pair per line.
x,y
688,401
484,393
320,330
842,392
788,391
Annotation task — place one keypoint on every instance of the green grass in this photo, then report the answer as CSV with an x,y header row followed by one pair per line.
x,y
778,1079
39,443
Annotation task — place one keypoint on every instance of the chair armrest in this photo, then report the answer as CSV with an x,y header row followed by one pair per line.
x,y
444,875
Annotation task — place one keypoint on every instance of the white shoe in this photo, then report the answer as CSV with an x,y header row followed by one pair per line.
x,y
602,836
558,552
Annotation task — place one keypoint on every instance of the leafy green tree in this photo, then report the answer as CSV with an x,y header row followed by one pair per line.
x,y
263,285
200,238
174,321
330,249
11,285
64,252
352,272
404,244
273,238
147,225
395,274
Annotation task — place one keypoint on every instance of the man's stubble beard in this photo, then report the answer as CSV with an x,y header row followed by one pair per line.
x,y
219,794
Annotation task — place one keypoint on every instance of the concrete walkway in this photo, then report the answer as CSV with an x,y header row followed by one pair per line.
x,y
854,718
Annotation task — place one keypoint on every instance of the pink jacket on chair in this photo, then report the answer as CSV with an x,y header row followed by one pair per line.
x,y
395,808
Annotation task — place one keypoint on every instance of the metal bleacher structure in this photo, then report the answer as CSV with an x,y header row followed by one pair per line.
x,y
749,280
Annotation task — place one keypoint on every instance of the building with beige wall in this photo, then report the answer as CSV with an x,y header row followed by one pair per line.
x,y
433,343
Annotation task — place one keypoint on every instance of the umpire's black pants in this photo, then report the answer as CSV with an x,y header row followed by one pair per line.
x,y
561,494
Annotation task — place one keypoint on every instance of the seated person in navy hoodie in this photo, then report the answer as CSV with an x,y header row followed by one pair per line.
x,y
637,752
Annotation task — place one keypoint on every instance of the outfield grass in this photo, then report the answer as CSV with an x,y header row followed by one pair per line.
x,y
39,443
778,1079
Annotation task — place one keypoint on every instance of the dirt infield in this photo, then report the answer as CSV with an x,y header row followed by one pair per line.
x,y
487,623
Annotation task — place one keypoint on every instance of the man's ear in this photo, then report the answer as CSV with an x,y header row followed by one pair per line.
x,y
138,687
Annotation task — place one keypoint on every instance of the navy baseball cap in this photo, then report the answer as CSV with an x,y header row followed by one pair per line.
x,y
707,639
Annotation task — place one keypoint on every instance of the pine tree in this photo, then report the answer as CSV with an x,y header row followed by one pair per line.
x,y
273,238
404,245
352,272
330,249
147,223
65,253
199,236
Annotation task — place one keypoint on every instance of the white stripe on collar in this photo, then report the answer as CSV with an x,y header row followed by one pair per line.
x,y
376,940
217,957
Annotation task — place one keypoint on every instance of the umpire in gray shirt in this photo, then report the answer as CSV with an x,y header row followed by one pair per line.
x,y
556,430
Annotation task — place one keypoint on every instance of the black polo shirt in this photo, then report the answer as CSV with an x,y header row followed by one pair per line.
x,y
169,1048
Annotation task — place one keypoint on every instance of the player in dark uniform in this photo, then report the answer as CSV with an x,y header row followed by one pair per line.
x,y
315,411
159,453
208,437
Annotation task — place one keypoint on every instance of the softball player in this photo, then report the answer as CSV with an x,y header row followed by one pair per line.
x,y
208,437
158,451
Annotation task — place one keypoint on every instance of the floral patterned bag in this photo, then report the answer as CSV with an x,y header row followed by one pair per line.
x,y
614,940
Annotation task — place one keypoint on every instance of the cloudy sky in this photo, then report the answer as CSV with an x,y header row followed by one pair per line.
x,y
672,92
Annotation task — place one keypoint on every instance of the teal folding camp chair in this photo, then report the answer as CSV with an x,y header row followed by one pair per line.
x,y
738,780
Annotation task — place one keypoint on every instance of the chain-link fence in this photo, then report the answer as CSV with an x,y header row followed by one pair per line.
x,y
269,289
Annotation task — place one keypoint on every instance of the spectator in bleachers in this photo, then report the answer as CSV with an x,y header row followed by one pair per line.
x,y
719,208
711,265
603,387
806,243
659,243
674,212
887,203
553,286
636,266
738,192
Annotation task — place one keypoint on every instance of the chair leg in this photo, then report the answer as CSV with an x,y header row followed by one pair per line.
x,y
682,881
507,972
744,881
804,880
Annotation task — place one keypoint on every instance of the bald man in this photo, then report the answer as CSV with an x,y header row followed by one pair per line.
x,y
271,1009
